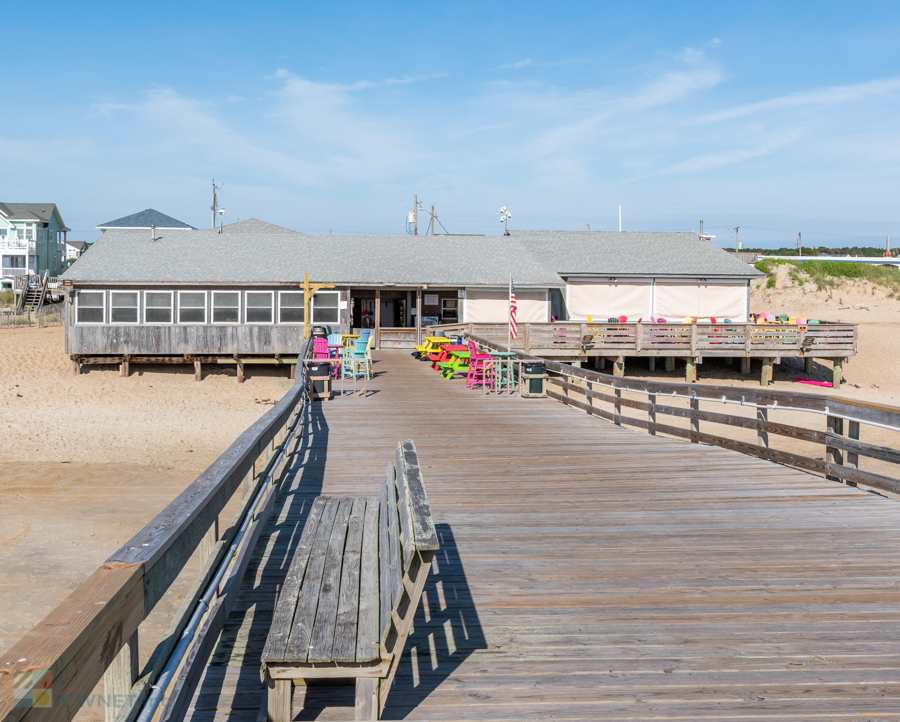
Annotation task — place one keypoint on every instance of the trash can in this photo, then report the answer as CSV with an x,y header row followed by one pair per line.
x,y
318,374
533,375
319,331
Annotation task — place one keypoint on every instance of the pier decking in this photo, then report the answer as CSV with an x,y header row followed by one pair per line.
x,y
591,572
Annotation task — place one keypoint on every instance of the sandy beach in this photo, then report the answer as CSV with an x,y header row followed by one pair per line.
x,y
89,460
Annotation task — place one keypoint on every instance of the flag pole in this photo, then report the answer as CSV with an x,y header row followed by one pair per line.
x,y
509,314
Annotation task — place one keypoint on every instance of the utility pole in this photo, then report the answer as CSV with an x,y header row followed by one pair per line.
x,y
799,245
701,230
416,211
432,219
214,205
737,243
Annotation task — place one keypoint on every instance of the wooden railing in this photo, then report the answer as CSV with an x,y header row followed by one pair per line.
x,y
839,420
691,342
824,340
93,634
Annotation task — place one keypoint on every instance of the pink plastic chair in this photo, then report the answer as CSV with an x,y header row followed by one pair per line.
x,y
479,372
320,349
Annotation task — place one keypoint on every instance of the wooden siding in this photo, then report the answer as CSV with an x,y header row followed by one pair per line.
x,y
180,340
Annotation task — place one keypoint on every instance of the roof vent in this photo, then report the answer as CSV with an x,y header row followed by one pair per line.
x,y
152,232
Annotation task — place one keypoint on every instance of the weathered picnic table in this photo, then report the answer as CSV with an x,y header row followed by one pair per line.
x,y
352,589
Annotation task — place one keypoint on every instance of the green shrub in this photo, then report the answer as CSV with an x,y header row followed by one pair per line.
x,y
763,266
771,282
7,298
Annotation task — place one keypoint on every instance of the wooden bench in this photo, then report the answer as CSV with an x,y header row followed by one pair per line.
x,y
352,590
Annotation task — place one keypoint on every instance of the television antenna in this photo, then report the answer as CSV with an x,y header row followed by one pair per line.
x,y
215,203
505,215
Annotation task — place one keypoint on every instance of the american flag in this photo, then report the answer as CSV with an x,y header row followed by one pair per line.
x,y
513,332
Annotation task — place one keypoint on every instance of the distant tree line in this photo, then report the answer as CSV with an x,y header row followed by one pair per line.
x,y
864,252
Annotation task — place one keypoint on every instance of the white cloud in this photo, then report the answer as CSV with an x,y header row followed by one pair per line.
x,y
819,96
514,66
730,157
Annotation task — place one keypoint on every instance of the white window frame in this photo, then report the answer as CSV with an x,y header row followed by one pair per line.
x,y
137,321
205,310
212,310
248,322
171,310
312,309
289,323
102,308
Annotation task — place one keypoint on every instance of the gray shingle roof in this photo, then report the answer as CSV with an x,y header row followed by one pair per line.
x,y
32,212
253,226
615,253
537,258
145,219
130,256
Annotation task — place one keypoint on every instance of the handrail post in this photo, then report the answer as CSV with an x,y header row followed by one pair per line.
x,y
834,455
762,436
853,433
120,676
651,414
695,419
618,406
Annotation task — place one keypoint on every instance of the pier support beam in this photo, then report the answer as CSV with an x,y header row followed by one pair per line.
x,y
670,363
124,368
198,370
808,364
838,368
619,366
745,364
651,363
601,363
766,375
690,372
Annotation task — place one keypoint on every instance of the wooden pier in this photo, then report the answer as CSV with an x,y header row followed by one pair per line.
x,y
590,572
585,571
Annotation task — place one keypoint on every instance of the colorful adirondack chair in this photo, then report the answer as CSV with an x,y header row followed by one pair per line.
x,y
351,369
481,368
320,348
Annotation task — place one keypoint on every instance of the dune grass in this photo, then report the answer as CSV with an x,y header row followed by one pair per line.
x,y
829,274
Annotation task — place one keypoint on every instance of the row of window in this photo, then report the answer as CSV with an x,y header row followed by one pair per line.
x,y
200,307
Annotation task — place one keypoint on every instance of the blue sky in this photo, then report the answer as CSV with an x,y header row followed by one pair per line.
x,y
777,117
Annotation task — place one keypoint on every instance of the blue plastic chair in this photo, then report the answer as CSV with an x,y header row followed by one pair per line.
x,y
335,339
348,368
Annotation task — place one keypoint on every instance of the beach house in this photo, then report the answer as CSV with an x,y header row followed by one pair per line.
x,y
32,240
235,291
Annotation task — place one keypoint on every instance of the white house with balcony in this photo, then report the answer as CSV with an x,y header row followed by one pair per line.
x,y
32,240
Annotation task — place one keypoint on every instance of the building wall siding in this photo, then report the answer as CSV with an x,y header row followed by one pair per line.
x,y
180,340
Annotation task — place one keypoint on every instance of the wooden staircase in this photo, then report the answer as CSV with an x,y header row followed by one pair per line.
x,y
32,292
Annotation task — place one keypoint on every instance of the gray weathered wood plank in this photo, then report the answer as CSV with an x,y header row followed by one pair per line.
x,y
367,637
283,618
321,639
297,648
397,478
344,647
423,524
384,565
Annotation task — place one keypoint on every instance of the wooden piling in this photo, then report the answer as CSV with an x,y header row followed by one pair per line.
x,y
766,374
838,368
